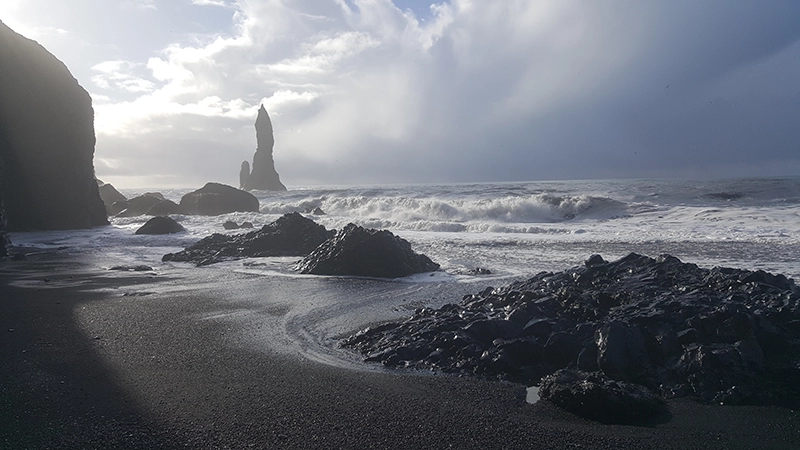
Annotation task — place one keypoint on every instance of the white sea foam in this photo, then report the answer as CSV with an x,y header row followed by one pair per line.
x,y
513,229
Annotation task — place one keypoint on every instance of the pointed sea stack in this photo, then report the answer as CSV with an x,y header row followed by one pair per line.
x,y
264,177
46,141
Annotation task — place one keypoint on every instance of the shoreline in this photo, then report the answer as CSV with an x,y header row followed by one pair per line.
x,y
100,359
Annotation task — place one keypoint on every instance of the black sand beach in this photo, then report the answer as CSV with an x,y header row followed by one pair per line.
x,y
103,359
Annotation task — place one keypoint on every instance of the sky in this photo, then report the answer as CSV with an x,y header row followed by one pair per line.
x,y
412,91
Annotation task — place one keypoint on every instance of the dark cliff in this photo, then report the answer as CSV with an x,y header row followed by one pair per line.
x,y
46,141
264,176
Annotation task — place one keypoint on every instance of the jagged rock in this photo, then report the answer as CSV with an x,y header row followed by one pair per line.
x,y
723,335
214,199
140,205
109,194
118,207
46,141
244,174
597,397
290,235
231,225
357,251
132,268
264,176
160,225
164,208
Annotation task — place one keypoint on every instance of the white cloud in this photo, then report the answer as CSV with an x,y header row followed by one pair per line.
x,y
143,5
220,3
479,89
119,75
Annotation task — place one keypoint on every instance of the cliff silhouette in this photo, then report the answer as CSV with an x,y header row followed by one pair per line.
x,y
46,141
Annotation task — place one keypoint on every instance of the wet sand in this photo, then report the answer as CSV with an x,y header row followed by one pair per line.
x,y
100,359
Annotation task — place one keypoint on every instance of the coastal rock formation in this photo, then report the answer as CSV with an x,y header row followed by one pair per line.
x,y
140,205
214,199
160,225
4,241
357,251
244,174
264,176
46,141
110,195
597,397
231,225
721,335
290,235
164,208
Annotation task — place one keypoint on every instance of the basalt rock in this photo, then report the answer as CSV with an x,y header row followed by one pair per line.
x,y
46,141
140,205
264,176
4,240
723,335
110,195
214,199
244,174
164,208
356,251
290,235
598,397
160,225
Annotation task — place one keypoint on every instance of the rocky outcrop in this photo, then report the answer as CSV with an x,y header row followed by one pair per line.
x,y
290,235
160,225
264,176
110,195
139,205
214,199
244,174
721,335
4,240
46,141
164,208
231,225
597,397
356,251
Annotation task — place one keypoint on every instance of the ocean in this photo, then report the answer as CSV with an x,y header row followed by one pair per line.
x,y
514,230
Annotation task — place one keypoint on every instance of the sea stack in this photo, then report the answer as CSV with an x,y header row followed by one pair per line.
x,y
46,141
244,174
264,177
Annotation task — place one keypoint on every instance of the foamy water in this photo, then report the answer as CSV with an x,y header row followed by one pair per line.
x,y
513,229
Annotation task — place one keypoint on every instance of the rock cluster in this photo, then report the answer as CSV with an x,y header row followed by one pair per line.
x,y
46,141
724,335
290,235
365,252
353,251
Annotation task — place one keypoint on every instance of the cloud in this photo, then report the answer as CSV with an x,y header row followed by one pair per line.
x,y
143,5
117,75
220,3
364,91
